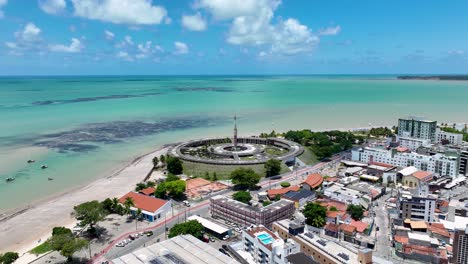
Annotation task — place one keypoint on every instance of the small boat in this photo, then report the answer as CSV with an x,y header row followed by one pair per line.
x,y
50,179
31,161
44,167
9,179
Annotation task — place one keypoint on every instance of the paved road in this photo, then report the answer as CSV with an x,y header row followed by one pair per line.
x,y
111,251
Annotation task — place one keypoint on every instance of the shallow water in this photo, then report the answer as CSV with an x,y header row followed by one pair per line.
x,y
84,127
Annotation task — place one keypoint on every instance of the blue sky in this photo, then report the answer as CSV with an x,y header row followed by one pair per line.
x,y
74,37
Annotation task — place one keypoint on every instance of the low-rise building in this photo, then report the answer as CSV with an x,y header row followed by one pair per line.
x,y
341,193
179,249
151,208
323,250
417,208
272,193
265,247
211,227
246,215
313,181
439,163
300,197
417,178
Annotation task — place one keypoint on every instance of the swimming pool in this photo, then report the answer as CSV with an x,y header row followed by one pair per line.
x,y
265,238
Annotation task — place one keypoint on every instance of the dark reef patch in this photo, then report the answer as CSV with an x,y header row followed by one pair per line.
x,y
203,89
87,137
92,99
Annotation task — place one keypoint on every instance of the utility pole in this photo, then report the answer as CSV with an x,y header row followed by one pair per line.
x,y
165,226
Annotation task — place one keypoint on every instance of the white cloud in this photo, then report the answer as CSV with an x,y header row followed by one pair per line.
x,y
252,26
2,4
52,6
30,33
194,23
128,40
124,56
134,12
74,47
109,35
180,48
330,31
229,9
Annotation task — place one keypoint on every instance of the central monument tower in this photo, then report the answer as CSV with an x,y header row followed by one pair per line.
x,y
234,139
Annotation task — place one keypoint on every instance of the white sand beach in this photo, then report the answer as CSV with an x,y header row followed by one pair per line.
x,y
21,231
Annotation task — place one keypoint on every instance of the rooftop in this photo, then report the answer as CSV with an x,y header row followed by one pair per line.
x,y
278,205
328,247
148,191
408,171
144,202
300,258
182,249
297,195
314,180
273,192
208,224
421,175
196,182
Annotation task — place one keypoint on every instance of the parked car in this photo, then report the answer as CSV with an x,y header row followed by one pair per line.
x,y
186,203
205,239
149,233
226,237
212,239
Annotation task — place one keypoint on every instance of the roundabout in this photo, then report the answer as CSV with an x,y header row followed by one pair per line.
x,y
237,150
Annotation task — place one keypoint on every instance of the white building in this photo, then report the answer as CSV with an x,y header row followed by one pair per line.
x,y
413,143
439,164
265,247
341,193
452,138
417,128
416,208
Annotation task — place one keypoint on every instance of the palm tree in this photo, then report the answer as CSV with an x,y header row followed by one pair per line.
x,y
138,217
155,162
128,203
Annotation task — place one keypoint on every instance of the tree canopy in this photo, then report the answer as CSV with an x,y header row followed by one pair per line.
x,y
356,211
245,178
174,189
324,144
272,167
174,165
315,214
242,196
192,227
90,212
63,241
9,257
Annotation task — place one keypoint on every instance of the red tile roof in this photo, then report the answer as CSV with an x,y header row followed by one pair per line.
x,y
314,180
402,149
401,239
273,192
382,164
443,203
148,191
195,183
333,214
347,228
331,179
331,227
421,175
144,202
360,226
438,228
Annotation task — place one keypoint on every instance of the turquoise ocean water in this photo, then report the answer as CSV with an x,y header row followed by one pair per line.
x,y
87,127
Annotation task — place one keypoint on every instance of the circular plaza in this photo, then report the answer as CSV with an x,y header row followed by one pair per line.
x,y
237,151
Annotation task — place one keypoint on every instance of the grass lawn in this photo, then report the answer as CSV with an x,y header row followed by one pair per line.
x,y
222,171
308,157
41,249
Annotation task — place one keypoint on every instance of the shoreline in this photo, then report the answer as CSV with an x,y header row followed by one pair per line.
x,y
22,228
25,242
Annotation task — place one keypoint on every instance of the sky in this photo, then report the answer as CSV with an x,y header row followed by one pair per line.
x,y
177,37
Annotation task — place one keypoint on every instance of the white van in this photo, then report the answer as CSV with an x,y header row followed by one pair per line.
x,y
186,203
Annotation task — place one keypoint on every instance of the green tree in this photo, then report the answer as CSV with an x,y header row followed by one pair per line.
x,y
272,167
107,204
171,177
266,203
89,212
207,176
333,209
215,177
140,186
66,244
175,188
242,196
277,197
9,257
150,184
160,191
162,158
192,227
174,165
60,230
356,211
128,203
285,184
315,214
155,162
245,178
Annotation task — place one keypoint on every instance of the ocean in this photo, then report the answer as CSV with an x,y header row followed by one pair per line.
x,y
83,128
